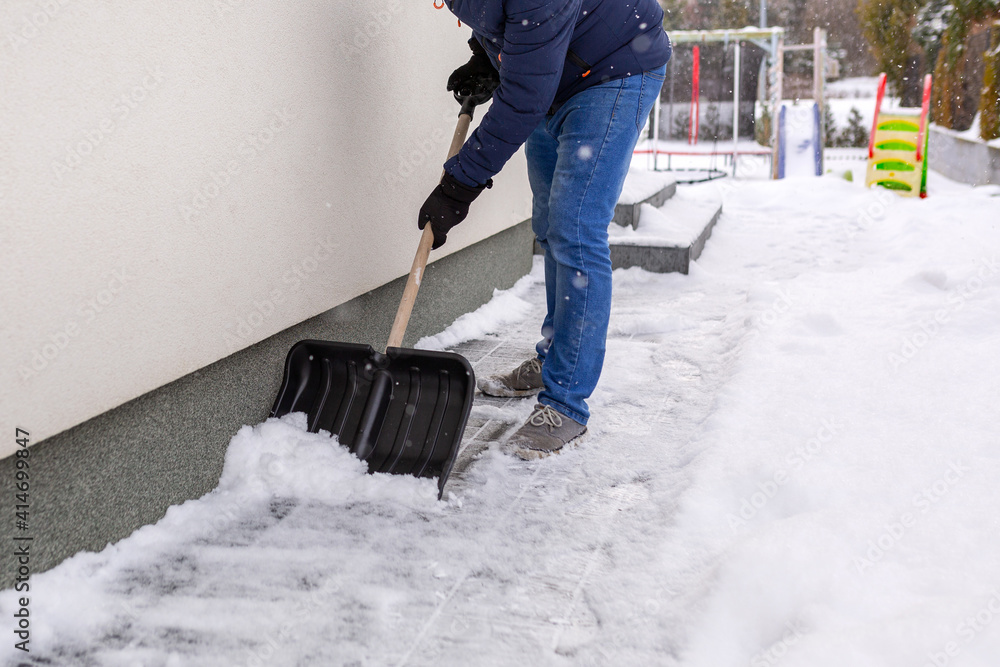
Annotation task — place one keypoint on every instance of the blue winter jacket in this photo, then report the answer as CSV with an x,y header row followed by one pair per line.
x,y
546,52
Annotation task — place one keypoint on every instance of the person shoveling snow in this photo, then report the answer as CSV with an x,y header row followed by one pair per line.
x,y
576,95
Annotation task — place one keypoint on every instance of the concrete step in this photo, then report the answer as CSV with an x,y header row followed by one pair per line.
x,y
658,228
642,187
670,236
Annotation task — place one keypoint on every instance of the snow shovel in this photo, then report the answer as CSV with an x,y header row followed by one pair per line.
x,y
404,411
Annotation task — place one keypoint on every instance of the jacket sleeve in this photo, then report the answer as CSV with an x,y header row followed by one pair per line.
x,y
536,38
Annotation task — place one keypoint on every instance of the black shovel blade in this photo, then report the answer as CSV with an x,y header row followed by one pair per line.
x,y
403,412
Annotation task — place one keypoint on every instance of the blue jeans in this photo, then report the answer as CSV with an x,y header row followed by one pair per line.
x,y
577,162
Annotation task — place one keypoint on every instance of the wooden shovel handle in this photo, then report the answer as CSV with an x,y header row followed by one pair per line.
x,y
424,249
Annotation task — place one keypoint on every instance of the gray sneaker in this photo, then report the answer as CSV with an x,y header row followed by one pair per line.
x,y
524,380
546,432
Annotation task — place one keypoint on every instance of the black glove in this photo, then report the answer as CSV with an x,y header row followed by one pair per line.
x,y
477,78
447,206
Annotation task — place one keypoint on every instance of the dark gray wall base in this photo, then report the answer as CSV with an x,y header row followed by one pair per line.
x,y
99,481
627,215
663,259
962,159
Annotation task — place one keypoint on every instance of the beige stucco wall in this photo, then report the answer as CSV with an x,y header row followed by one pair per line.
x,y
179,180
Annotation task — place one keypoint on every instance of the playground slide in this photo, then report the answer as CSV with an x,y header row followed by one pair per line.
x,y
897,148
799,152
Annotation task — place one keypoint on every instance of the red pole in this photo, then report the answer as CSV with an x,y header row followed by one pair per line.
x,y
878,108
694,120
924,109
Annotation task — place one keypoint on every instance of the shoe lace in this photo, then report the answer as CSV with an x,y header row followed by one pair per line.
x,y
546,416
530,366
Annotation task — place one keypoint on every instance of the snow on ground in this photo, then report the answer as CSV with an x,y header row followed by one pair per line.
x,y
855,87
792,461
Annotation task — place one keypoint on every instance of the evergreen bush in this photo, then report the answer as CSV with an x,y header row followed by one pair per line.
x,y
989,100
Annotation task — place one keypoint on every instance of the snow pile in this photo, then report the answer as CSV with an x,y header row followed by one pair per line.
x,y
279,458
506,306
218,578
844,503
